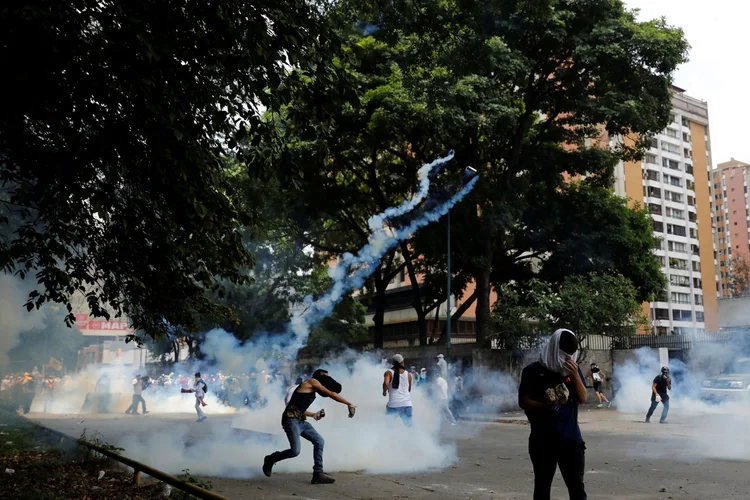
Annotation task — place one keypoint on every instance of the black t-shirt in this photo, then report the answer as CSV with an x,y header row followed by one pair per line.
x,y
558,422
661,388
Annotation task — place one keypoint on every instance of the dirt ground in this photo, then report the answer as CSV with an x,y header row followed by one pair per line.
x,y
625,459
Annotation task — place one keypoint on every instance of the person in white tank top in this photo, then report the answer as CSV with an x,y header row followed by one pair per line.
x,y
397,384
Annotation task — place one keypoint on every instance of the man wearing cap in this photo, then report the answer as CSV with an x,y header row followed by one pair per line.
x,y
397,383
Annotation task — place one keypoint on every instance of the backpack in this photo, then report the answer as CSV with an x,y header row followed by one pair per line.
x,y
205,387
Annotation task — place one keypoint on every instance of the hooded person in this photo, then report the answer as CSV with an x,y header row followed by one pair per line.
x,y
442,366
295,424
659,394
550,391
397,384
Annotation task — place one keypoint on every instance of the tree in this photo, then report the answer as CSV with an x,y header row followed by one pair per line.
x,y
47,338
589,304
525,90
739,276
112,148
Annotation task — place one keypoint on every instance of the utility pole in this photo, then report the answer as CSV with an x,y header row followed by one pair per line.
x,y
448,307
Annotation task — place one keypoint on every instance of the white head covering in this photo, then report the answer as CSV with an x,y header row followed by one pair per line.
x,y
553,358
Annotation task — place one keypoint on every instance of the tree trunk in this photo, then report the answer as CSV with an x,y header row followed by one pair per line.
x,y
457,315
377,330
482,277
416,295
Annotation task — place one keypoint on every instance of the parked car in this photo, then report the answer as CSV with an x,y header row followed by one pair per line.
x,y
733,383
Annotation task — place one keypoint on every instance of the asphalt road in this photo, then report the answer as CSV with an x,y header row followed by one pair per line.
x,y
625,459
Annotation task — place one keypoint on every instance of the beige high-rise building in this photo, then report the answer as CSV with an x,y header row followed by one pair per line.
x,y
673,182
731,213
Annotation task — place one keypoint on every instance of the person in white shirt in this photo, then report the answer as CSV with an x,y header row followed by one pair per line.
x,y
397,384
442,366
137,397
442,397
199,389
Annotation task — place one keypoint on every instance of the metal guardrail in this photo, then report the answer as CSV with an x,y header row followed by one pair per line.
x,y
138,467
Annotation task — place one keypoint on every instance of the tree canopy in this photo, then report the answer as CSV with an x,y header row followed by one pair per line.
x,y
112,146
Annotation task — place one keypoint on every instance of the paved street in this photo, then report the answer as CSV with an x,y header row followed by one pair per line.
x,y
626,459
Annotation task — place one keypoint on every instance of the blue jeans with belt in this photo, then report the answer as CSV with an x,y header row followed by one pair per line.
x,y
294,429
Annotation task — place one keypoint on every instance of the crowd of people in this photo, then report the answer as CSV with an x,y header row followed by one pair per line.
x,y
19,389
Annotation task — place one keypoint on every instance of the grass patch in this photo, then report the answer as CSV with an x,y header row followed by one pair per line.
x,y
45,469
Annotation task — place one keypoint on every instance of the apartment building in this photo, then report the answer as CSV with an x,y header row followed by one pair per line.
x,y
673,182
731,213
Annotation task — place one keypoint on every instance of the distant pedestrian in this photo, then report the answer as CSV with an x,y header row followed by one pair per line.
x,y
442,399
550,391
414,375
442,366
199,389
597,377
137,396
397,384
659,387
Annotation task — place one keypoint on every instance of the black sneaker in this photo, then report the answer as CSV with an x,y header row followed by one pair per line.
x,y
267,466
322,478
648,420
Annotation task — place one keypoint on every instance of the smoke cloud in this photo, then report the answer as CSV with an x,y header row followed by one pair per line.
x,y
709,428
14,319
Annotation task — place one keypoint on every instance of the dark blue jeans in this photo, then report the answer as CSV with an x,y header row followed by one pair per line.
x,y
404,413
664,410
295,429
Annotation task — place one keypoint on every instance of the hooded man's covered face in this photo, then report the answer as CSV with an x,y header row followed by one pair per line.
x,y
327,381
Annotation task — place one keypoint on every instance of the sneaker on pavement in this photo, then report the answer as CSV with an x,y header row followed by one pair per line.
x,y
663,422
146,412
322,478
648,420
600,405
268,466
609,405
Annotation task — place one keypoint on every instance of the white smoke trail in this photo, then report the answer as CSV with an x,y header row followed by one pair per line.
x,y
351,271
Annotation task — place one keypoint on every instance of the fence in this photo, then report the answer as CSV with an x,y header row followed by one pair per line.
x,y
139,467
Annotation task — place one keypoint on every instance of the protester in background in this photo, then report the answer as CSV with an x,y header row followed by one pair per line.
x,y
442,399
295,424
550,391
414,375
137,396
199,389
28,387
442,366
457,396
397,384
423,375
659,387
597,377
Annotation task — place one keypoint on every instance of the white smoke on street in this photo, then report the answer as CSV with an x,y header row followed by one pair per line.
x,y
716,428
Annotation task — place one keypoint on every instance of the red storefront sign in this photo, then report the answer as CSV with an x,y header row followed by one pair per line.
x,y
82,321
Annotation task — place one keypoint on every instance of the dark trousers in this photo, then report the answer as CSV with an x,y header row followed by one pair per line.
x,y
664,410
294,429
549,454
137,398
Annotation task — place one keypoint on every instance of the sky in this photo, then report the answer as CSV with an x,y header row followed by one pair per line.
x,y
719,67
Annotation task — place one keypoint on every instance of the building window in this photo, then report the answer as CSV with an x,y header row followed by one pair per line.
x,y
685,122
689,169
680,315
696,266
655,209
685,137
661,313
674,165
675,263
676,230
658,226
697,283
654,192
671,133
676,214
687,153
654,143
669,147
677,247
670,195
651,159
652,175
677,280
700,316
680,298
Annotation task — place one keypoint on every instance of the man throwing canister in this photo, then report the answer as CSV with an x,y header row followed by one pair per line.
x,y
295,424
